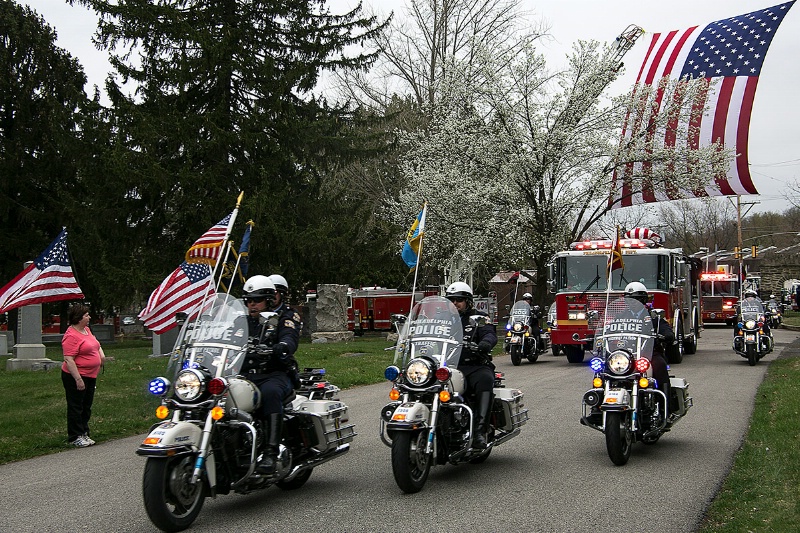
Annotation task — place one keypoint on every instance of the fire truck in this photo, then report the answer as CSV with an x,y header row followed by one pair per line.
x,y
371,308
720,293
579,279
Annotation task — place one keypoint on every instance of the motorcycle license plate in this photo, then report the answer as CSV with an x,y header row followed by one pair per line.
x,y
750,337
516,340
617,397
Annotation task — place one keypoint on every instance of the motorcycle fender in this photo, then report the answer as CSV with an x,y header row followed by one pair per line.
x,y
176,438
412,413
616,399
516,339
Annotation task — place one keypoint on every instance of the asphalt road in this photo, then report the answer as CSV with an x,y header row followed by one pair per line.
x,y
555,476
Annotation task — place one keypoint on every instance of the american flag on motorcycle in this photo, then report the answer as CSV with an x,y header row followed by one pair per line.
x,y
207,248
181,292
728,54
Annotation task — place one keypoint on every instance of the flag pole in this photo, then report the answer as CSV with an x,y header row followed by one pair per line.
x,y
227,235
416,272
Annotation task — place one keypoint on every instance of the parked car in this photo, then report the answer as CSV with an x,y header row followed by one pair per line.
x,y
128,321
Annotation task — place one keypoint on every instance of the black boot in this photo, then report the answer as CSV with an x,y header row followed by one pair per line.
x,y
484,406
273,429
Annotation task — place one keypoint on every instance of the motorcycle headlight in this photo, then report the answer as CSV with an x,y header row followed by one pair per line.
x,y
750,324
517,327
619,363
419,372
189,385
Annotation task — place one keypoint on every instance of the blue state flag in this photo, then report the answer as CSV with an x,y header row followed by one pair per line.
x,y
414,239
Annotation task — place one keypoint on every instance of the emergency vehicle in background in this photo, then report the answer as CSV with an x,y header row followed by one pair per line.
x,y
371,308
579,279
719,291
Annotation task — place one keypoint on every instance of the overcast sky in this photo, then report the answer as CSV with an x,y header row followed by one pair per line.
x,y
774,147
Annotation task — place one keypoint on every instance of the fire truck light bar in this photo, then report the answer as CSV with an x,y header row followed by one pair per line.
x,y
607,244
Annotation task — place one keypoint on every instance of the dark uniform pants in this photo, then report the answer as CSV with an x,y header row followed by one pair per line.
x,y
275,387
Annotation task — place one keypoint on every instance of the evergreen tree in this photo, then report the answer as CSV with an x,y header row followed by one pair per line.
x,y
211,98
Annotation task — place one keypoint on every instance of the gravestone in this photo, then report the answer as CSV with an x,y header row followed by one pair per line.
x,y
29,351
331,314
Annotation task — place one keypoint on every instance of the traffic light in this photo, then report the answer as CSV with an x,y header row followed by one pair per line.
x,y
754,251
737,253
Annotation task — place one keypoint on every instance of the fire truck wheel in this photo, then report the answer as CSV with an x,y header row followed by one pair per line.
x,y
675,352
574,353
690,345
556,349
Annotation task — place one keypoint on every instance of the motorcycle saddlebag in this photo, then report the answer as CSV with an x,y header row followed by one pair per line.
x,y
509,409
330,422
681,390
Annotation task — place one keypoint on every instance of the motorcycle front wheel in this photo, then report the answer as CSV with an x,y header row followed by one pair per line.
x,y
752,354
298,481
410,464
516,355
619,439
171,501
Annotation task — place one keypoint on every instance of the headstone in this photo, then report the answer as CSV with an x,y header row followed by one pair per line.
x,y
3,344
103,332
29,350
331,308
165,342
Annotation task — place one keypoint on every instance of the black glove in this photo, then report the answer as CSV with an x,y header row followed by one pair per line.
x,y
472,347
484,347
279,351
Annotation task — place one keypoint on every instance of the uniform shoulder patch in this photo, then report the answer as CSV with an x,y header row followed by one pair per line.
x,y
296,317
290,324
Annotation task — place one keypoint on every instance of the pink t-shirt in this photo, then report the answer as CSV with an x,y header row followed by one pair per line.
x,y
85,348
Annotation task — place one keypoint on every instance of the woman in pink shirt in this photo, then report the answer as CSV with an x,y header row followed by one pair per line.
x,y
83,357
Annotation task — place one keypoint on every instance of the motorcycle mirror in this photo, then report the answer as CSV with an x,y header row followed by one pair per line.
x,y
657,313
180,318
269,318
479,320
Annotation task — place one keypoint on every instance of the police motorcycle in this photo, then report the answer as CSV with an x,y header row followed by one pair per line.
x,y
430,420
624,402
524,337
209,442
750,340
774,312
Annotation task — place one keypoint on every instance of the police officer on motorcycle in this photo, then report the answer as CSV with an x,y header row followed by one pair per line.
x,y
665,337
273,370
476,360
536,315
750,295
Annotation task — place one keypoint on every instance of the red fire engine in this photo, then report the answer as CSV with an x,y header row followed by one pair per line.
x,y
720,294
371,308
578,277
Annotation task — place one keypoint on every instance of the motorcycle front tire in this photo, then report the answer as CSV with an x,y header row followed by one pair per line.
x,y
752,354
298,481
171,502
516,355
410,464
619,439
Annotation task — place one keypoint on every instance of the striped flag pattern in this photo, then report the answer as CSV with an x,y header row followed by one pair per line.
x,y
48,279
208,247
180,292
728,54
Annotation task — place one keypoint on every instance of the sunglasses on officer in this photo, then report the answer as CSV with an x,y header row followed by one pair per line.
x,y
458,299
254,299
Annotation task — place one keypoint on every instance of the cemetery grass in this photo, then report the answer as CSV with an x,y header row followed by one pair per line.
x,y
34,421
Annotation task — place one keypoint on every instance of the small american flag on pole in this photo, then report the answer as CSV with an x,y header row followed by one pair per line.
x,y
180,292
728,54
207,248
48,279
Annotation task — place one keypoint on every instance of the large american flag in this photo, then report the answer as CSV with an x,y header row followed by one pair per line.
x,y
48,279
180,292
207,248
729,54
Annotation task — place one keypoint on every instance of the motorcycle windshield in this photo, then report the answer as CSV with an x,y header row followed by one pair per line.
x,y
214,339
520,314
433,330
752,310
627,327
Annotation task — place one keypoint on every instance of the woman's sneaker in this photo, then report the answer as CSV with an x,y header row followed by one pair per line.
x,y
81,442
88,439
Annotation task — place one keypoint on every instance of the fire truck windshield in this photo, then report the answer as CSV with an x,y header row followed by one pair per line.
x,y
719,288
588,272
